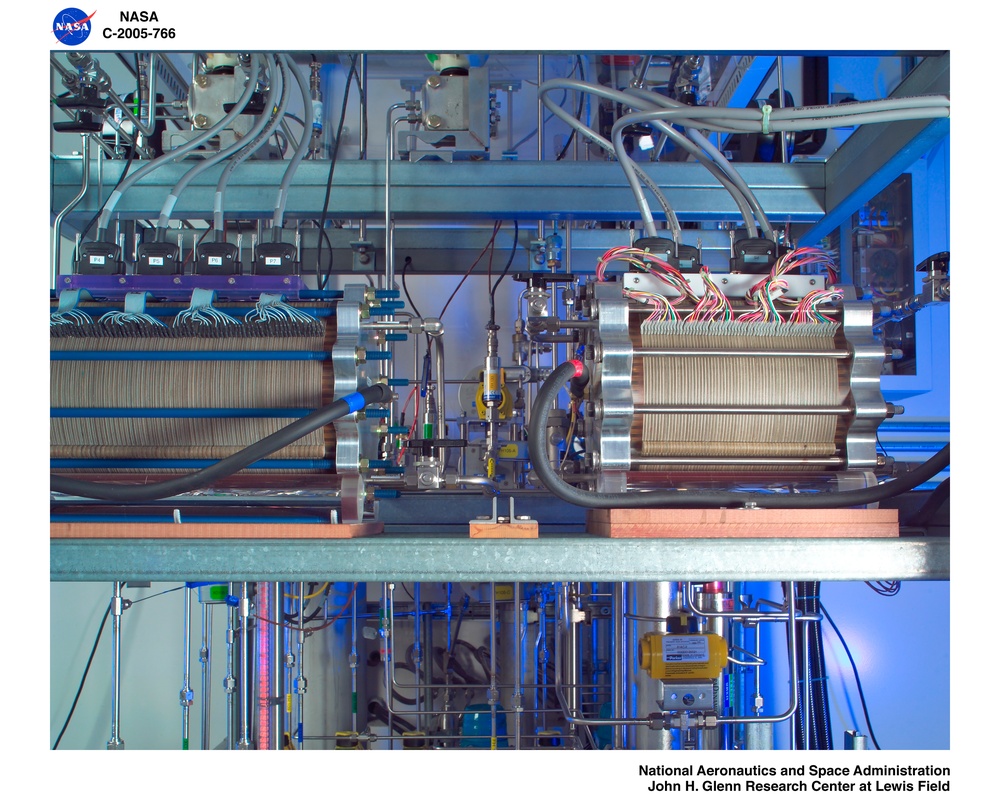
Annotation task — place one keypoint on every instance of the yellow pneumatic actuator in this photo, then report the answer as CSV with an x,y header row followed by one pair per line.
x,y
683,656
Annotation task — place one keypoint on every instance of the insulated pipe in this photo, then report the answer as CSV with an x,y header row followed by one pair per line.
x,y
537,444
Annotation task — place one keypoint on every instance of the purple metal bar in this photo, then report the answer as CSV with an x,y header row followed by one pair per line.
x,y
179,287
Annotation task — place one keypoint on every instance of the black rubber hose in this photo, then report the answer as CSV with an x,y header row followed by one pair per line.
x,y
378,393
662,498
923,516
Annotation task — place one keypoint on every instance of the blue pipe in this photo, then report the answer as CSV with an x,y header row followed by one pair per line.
x,y
182,463
189,355
184,413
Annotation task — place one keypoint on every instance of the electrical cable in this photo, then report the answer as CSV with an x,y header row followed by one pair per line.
x,y
377,393
278,220
672,222
579,113
158,594
546,397
112,201
407,262
83,680
857,677
329,182
260,135
240,144
468,272
493,291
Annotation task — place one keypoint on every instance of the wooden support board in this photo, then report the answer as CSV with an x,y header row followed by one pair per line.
x,y
503,530
743,523
205,530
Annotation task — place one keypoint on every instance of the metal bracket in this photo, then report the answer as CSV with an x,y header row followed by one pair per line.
x,y
511,519
362,252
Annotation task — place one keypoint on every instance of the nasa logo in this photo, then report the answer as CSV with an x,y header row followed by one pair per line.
x,y
72,26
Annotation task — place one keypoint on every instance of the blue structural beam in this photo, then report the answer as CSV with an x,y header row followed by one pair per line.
x,y
875,155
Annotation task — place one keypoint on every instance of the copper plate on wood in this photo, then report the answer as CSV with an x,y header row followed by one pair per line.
x,y
204,530
743,523
503,530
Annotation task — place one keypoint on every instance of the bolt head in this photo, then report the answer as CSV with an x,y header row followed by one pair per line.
x,y
433,82
433,121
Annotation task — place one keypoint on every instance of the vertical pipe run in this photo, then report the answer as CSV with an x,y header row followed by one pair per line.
x,y
648,599
204,656
387,589
263,667
618,656
57,224
186,696
300,678
353,660
781,104
417,653
245,687
492,698
517,701
115,742
229,683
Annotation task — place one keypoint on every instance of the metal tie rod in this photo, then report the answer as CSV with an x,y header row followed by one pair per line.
x,y
660,352
826,410
672,461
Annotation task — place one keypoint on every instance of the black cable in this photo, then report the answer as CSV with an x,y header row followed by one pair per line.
x,y
493,291
408,262
165,591
83,680
857,677
885,588
579,114
378,393
329,180
547,394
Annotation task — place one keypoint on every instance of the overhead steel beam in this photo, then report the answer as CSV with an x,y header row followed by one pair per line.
x,y
526,190
457,557
875,155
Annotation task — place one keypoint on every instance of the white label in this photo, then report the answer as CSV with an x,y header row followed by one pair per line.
x,y
97,259
272,261
156,261
685,649
215,261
